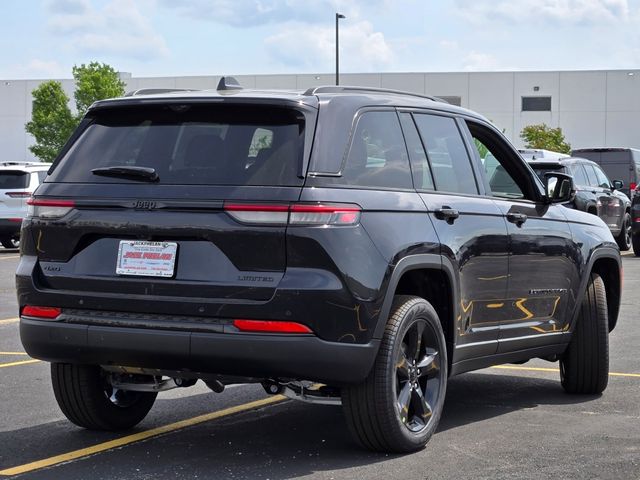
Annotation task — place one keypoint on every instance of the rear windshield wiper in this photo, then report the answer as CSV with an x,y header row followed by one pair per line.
x,y
134,173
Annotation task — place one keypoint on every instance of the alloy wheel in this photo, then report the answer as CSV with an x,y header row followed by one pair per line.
x,y
418,373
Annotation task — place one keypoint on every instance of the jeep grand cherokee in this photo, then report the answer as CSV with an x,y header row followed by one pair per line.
x,y
342,245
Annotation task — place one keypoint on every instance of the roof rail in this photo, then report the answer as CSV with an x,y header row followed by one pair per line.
x,y
151,91
228,83
22,163
346,89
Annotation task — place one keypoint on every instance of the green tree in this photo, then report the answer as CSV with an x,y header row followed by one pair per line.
x,y
95,81
51,120
544,137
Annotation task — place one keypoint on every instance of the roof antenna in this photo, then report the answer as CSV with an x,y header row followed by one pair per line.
x,y
228,83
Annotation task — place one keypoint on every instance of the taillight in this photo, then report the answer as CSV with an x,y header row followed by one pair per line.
x,y
307,214
319,214
269,326
264,214
18,194
633,185
49,209
49,313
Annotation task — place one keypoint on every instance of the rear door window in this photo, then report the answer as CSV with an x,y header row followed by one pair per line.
x,y
603,181
422,177
10,179
579,176
449,159
378,155
191,144
591,175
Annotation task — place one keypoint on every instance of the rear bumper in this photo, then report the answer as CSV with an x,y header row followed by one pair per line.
x,y
303,357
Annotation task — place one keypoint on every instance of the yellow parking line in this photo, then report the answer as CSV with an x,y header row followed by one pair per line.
x,y
9,256
15,364
137,437
555,370
9,320
13,353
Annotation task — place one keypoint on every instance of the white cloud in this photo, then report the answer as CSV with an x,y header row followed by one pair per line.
x,y
38,68
118,28
557,11
478,61
313,47
249,13
448,44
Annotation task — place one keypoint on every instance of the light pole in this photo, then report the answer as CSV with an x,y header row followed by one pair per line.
x,y
338,17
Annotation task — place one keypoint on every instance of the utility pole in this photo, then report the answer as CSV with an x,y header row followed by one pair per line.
x,y
338,17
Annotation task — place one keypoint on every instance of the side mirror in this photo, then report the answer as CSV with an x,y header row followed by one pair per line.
x,y
559,187
617,184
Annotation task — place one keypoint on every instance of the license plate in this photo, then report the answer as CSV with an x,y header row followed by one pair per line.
x,y
146,259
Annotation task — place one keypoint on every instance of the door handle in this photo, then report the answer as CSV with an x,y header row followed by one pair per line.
x,y
517,218
447,213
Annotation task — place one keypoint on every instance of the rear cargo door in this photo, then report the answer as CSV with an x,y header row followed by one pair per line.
x,y
181,201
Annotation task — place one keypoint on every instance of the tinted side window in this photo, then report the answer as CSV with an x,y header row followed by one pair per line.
x,y
378,156
579,177
591,175
448,156
603,181
422,178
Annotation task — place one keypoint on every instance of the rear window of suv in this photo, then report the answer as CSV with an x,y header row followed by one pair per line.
x,y
10,179
204,144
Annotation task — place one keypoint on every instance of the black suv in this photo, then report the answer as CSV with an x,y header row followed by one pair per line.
x,y
338,245
595,194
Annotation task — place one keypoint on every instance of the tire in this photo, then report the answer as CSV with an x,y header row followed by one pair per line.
x,y
584,367
372,408
9,242
624,237
86,398
635,240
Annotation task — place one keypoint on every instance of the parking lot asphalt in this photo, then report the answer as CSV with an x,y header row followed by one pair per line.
x,y
512,421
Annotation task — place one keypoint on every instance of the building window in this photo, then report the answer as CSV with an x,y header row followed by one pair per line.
x,y
457,101
536,104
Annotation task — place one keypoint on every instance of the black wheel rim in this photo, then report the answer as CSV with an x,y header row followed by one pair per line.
x,y
418,376
627,230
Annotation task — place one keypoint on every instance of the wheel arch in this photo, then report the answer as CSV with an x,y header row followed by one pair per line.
x,y
606,263
431,277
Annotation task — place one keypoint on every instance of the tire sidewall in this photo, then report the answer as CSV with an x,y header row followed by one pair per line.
x,y
420,310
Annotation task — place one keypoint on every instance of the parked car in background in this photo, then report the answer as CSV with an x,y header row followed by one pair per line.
x,y
622,163
18,180
635,223
595,194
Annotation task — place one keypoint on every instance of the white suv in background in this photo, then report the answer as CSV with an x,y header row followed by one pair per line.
x,y
18,180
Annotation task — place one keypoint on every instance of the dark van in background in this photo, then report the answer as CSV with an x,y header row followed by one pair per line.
x,y
622,163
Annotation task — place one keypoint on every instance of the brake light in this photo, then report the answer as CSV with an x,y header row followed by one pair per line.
x,y
311,214
49,209
302,214
633,185
16,220
18,194
49,313
269,326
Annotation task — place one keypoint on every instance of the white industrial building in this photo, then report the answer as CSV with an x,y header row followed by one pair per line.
x,y
593,108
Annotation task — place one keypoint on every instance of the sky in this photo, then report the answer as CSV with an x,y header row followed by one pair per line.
x,y
46,38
